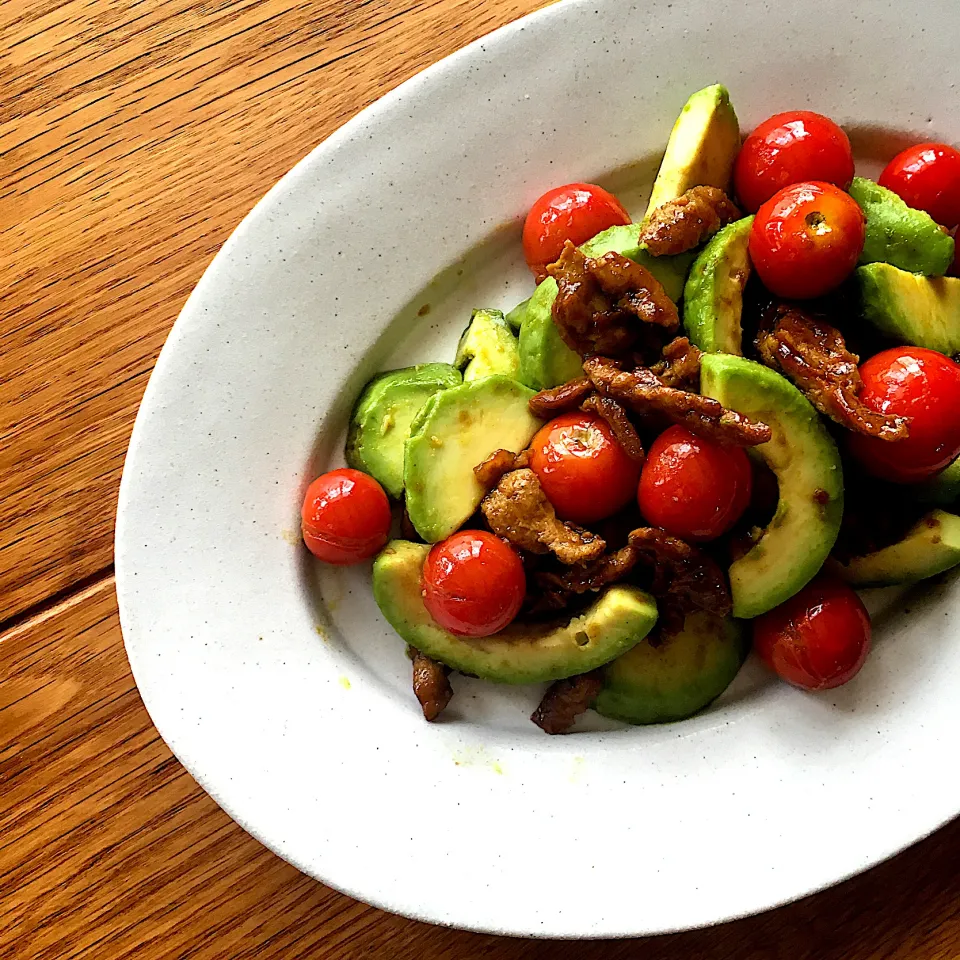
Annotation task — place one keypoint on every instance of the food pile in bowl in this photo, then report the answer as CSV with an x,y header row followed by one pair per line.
x,y
704,430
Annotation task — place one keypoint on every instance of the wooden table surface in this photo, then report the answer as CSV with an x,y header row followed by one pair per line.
x,y
134,135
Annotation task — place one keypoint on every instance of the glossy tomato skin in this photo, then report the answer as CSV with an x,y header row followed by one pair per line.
x,y
575,212
790,148
473,583
817,639
345,517
925,386
927,177
806,240
584,472
694,488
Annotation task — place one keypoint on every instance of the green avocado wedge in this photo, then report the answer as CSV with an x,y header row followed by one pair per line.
x,y
931,546
900,235
619,618
805,460
713,297
942,489
380,422
516,316
702,148
921,311
449,437
672,681
488,347
545,360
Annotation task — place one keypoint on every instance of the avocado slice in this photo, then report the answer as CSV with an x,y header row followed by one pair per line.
x,y
454,431
805,460
545,360
900,235
942,488
713,296
619,618
929,547
663,683
921,311
702,147
380,422
516,316
488,347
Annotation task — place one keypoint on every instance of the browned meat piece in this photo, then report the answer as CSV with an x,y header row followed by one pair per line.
x,y
686,222
431,684
600,301
684,578
565,700
518,510
608,569
489,472
680,366
620,426
642,391
815,357
548,404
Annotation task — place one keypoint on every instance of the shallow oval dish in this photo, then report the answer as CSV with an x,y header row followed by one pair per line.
x,y
278,684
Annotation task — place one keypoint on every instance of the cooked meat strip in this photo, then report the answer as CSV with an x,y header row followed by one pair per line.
x,y
499,462
620,426
431,684
610,568
684,223
680,366
518,510
600,301
684,578
548,404
642,391
565,700
815,357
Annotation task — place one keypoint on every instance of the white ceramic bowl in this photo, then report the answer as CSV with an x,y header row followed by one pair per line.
x,y
278,684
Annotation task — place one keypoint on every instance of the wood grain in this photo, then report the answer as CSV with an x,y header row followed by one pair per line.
x,y
109,849
134,136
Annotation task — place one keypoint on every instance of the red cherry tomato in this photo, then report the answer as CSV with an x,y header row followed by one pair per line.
x,y
473,583
925,386
584,472
817,639
693,488
345,517
789,148
927,177
806,239
575,212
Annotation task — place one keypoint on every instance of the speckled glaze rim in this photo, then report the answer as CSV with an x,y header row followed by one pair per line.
x,y
215,631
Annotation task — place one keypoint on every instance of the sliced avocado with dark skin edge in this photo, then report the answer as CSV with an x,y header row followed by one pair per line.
x,y
488,347
617,620
545,360
804,458
713,296
456,430
675,679
516,316
702,148
380,422
942,488
900,235
929,547
920,311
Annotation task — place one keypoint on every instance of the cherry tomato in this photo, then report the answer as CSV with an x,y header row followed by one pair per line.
x,y
806,239
789,148
345,517
473,583
575,212
927,177
694,488
584,472
817,639
925,386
